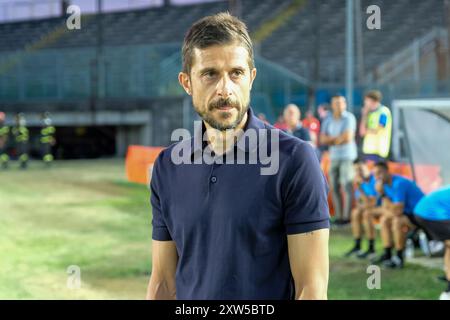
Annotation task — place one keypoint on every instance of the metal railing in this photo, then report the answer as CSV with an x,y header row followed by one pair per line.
x,y
408,58
138,71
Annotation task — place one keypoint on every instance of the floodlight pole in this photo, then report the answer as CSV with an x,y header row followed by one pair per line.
x,y
349,59
95,65
359,42
447,18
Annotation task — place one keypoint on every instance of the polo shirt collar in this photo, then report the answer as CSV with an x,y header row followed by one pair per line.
x,y
253,122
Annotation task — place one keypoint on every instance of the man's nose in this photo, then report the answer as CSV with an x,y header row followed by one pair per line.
x,y
224,87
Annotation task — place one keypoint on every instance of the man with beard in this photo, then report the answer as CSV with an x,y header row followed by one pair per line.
x,y
225,230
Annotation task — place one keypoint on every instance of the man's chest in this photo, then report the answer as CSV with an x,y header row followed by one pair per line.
x,y
222,198
335,127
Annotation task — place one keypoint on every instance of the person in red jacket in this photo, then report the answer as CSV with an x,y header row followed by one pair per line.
x,y
313,125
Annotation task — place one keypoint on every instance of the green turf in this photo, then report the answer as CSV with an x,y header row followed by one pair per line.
x,y
348,276
80,213
84,213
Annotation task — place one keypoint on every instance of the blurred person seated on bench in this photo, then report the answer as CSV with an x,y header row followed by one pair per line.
x,y
399,197
432,213
366,200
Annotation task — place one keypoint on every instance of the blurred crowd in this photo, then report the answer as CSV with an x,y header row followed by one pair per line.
x,y
365,194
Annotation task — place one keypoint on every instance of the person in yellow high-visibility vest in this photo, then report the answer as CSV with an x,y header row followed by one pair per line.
x,y
21,137
4,134
47,139
375,127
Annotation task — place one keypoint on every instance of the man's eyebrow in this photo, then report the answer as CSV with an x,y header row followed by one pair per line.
x,y
206,70
239,69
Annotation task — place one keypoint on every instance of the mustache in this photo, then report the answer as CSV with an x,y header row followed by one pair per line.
x,y
222,103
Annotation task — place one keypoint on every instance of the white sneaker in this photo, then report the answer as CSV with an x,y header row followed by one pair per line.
x,y
436,247
444,296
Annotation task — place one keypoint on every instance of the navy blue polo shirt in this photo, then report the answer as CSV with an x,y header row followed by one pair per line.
x,y
230,223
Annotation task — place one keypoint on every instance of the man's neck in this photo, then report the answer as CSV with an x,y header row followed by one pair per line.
x,y
337,115
295,126
222,141
376,107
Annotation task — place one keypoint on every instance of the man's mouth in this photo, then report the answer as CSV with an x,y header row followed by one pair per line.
x,y
226,107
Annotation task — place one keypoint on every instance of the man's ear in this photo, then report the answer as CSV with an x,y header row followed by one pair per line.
x,y
185,82
252,77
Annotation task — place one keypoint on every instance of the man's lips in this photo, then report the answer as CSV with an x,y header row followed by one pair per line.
x,y
225,108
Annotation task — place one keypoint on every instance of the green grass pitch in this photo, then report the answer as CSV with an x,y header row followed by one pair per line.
x,y
85,213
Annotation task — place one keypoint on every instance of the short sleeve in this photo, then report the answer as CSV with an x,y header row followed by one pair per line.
x,y
305,194
350,123
383,120
369,188
370,191
324,126
160,231
399,195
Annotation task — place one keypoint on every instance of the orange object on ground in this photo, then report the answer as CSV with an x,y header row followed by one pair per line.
x,y
139,163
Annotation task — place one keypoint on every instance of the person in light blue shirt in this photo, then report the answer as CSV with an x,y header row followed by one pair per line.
x,y
405,191
433,214
435,206
399,197
338,132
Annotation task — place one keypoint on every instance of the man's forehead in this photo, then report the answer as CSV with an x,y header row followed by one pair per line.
x,y
217,55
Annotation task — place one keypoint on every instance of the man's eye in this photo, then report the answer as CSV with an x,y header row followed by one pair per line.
x,y
237,73
209,75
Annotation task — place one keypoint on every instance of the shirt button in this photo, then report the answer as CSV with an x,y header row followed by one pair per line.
x,y
213,179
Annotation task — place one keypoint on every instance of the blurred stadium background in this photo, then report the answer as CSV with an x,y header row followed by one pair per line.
x,y
113,84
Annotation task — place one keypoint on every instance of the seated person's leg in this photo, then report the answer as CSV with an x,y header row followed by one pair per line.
x,y
446,294
356,221
400,226
368,217
447,262
386,237
439,230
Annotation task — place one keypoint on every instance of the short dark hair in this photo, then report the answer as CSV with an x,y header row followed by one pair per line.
x,y
221,28
337,95
382,164
374,95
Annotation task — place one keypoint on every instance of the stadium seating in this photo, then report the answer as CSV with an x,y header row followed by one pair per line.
x,y
291,45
